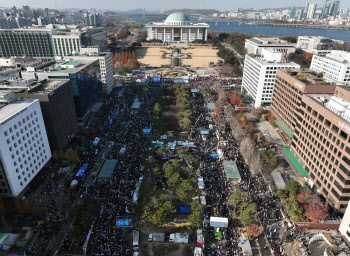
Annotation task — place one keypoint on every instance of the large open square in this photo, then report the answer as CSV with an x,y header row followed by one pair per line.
x,y
199,56
152,56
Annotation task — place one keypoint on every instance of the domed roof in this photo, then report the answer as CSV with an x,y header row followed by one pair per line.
x,y
177,16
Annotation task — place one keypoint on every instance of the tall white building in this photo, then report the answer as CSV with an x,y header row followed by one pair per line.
x,y
255,45
259,75
311,11
335,65
65,43
24,146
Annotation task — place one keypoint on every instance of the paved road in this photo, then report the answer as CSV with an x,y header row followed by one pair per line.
x,y
239,57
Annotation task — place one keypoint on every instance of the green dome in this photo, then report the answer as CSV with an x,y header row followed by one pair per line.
x,y
177,16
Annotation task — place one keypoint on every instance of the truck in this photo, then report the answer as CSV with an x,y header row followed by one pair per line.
x,y
218,222
135,240
179,238
203,201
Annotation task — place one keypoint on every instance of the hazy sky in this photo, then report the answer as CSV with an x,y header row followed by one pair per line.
x,y
116,5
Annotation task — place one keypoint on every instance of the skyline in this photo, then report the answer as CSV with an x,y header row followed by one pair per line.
x,y
222,5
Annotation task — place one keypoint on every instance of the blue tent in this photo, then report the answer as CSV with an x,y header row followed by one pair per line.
x,y
82,170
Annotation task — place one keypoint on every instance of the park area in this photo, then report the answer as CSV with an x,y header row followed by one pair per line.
x,y
200,56
153,56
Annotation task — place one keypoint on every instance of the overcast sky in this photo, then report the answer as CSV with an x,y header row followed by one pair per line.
x,y
222,5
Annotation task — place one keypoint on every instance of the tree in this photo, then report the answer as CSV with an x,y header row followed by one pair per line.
x,y
292,187
173,180
185,124
239,194
248,215
253,230
295,210
316,212
196,214
185,190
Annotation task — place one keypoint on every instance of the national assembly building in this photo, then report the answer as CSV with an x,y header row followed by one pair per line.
x,y
177,28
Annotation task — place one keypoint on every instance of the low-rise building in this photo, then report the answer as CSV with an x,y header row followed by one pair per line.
x,y
317,45
344,227
335,65
255,45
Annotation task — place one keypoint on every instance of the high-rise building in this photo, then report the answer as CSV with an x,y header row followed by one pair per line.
x,y
290,86
326,8
321,144
260,73
26,43
84,74
57,105
335,8
335,65
293,12
93,19
306,9
311,11
24,147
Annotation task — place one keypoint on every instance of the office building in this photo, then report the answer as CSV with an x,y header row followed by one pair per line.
x,y
24,147
57,105
260,73
106,65
321,144
84,74
255,45
290,86
26,43
311,11
335,65
316,45
177,28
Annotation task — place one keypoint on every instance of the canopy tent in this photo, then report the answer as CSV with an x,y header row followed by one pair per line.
x,y
231,171
82,170
278,179
107,169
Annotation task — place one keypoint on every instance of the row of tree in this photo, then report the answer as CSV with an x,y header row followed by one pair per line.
x,y
125,62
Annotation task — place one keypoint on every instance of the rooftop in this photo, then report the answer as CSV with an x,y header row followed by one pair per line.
x,y
339,56
269,41
231,170
32,86
12,109
310,77
177,16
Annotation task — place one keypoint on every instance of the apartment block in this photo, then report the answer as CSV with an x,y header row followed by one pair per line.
x,y
335,65
260,73
24,146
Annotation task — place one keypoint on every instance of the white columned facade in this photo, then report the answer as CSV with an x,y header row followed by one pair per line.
x,y
206,34
197,34
181,35
189,34
156,34
172,34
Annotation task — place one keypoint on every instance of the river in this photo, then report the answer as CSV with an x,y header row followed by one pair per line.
x,y
343,35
